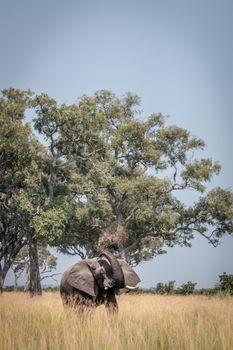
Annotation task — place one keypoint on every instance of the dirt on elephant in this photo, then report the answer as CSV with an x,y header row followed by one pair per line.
x,y
144,322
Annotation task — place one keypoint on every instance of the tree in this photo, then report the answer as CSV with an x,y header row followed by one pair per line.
x,y
47,263
225,283
22,190
15,161
187,288
123,171
165,288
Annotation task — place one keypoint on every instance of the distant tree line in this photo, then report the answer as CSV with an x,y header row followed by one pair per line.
x,y
224,286
103,177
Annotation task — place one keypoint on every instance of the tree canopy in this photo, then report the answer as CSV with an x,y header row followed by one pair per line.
x,y
121,174
105,176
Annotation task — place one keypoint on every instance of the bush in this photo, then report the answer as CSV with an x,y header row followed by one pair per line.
x,y
187,288
225,283
51,289
165,288
12,289
208,291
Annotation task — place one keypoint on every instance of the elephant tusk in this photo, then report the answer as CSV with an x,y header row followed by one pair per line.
x,y
130,287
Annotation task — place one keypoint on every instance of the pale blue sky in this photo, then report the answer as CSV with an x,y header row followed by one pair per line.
x,y
176,55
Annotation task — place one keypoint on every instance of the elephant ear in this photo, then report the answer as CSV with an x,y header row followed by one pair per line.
x,y
81,278
130,276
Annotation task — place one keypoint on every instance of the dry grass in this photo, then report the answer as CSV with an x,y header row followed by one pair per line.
x,y
144,322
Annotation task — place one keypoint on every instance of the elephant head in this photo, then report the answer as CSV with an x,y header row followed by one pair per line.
x,y
113,269
104,272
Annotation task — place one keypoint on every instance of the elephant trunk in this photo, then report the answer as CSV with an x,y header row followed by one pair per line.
x,y
118,276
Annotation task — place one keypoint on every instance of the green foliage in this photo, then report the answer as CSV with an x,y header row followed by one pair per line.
x,y
111,163
225,283
104,165
50,224
14,102
169,288
165,288
208,291
51,289
22,177
20,172
187,288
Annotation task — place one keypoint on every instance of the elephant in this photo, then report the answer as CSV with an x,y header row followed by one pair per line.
x,y
92,282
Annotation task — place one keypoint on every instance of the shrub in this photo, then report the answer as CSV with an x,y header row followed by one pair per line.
x,y
165,288
225,283
186,288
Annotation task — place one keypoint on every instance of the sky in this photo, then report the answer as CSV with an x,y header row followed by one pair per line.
x,y
177,55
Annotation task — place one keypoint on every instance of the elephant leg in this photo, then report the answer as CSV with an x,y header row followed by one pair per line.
x,y
111,302
86,307
80,303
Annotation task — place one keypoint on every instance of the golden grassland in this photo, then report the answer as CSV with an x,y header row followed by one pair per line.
x,y
143,322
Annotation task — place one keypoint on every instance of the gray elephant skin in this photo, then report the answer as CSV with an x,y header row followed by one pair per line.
x,y
92,282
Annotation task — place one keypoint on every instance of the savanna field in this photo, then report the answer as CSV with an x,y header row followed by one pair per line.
x,y
143,322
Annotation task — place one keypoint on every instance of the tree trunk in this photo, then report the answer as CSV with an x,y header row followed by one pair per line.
x,y
34,284
7,258
16,283
27,282
3,272
17,276
1,282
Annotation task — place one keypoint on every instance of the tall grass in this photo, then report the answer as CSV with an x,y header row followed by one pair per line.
x,y
144,322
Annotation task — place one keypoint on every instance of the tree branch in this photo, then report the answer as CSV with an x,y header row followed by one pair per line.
x,y
50,276
131,214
